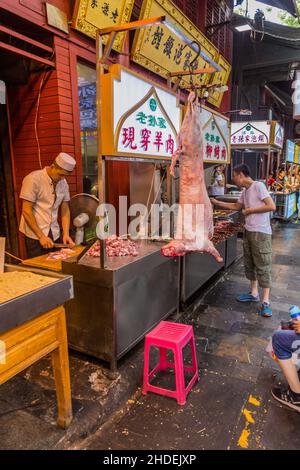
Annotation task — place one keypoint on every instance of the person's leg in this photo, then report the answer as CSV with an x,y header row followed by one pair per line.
x,y
262,256
284,344
254,288
249,264
290,372
266,295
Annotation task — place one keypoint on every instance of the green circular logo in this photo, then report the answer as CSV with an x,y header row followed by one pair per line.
x,y
248,128
153,104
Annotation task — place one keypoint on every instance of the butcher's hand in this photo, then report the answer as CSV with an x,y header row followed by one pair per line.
x,y
46,242
67,240
296,326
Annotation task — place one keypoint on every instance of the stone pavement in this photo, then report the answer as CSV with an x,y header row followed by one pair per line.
x,y
230,408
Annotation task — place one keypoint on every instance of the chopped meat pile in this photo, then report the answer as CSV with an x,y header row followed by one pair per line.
x,y
62,254
115,246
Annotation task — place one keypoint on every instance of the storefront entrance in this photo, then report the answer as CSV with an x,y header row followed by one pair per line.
x,y
8,220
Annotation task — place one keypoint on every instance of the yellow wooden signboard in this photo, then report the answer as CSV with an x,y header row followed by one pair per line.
x,y
220,78
90,15
161,50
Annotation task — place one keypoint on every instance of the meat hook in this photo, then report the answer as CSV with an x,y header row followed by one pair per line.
x,y
198,53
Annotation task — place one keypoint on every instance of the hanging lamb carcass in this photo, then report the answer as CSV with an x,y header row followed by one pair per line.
x,y
195,219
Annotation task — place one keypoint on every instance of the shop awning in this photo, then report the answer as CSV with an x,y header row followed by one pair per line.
x,y
287,5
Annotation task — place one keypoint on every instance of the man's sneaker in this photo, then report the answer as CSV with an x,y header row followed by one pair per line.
x,y
286,397
265,310
248,298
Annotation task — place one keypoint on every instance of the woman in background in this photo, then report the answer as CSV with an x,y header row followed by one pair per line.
x,y
218,181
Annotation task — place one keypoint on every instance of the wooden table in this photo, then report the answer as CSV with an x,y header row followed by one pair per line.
x,y
30,342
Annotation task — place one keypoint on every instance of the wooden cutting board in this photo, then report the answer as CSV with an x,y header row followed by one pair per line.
x,y
51,265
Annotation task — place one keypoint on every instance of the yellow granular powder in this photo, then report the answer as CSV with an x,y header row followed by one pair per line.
x,y
16,283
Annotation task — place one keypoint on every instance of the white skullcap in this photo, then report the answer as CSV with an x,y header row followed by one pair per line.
x,y
65,161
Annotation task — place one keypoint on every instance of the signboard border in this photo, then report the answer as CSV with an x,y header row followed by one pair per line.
x,y
80,23
211,99
216,113
174,12
252,146
272,135
109,144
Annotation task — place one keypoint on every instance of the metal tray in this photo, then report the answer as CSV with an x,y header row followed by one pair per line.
x,y
16,311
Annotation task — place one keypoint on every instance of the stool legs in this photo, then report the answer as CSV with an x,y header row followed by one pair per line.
x,y
163,364
179,374
194,357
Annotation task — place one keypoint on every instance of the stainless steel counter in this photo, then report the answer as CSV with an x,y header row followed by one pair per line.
x,y
197,269
115,307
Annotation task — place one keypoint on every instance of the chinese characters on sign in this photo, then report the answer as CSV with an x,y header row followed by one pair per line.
x,y
139,118
216,136
161,50
251,133
147,131
108,10
172,48
215,146
87,107
90,15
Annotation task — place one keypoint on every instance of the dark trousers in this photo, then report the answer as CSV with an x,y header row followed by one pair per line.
x,y
34,248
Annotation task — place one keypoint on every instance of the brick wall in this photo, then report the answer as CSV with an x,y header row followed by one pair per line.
x,y
55,126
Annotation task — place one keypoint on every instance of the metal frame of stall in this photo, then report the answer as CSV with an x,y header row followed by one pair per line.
x,y
119,301
263,148
269,148
102,55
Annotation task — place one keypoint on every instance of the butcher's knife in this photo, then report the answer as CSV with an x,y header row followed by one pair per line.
x,y
61,245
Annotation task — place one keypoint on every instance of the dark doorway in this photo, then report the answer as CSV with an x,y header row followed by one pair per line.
x,y
8,220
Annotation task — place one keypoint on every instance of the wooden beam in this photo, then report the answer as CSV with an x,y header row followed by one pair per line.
x,y
18,51
13,33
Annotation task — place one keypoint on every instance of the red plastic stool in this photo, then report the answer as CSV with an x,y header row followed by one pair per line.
x,y
173,336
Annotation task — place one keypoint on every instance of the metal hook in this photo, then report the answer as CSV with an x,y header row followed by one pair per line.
x,y
198,53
